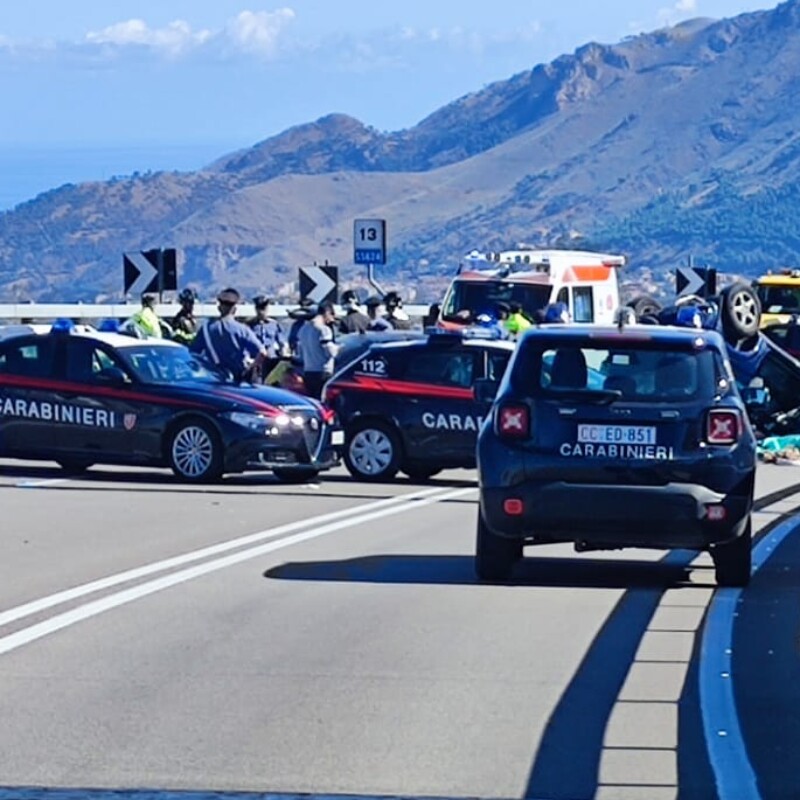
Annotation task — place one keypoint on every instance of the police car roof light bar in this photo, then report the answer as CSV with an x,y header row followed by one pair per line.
x,y
63,325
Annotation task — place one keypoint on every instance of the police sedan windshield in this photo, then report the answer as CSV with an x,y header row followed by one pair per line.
x,y
165,363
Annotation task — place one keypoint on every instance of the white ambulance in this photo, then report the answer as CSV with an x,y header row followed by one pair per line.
x,y
585,281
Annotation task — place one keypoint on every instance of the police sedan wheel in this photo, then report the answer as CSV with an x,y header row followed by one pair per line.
x,y
195,453
373,452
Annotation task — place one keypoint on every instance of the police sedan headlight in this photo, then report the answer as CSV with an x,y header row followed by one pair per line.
x,y
255,422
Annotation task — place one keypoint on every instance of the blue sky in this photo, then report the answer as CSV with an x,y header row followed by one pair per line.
x,y
221,74
228,70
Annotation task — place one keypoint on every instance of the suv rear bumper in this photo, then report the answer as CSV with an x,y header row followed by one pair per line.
x,y
672,515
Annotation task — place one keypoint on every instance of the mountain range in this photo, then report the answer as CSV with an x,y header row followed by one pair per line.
x,y
684,141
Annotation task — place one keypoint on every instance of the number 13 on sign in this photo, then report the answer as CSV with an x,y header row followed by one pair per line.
x,y
369,241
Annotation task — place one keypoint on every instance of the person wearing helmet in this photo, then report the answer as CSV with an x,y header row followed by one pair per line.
x,y
184,323
228,343
146,319
270,333
354,320
516,323
395,314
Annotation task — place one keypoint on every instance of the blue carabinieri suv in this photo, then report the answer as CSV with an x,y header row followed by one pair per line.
x,y
617,437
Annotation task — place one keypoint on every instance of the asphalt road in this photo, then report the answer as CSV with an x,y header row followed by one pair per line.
x,y
331,639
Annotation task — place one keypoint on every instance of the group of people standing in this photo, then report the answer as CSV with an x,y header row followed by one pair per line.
x,y
260,350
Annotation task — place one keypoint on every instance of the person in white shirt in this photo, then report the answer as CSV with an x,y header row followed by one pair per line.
x,y
317,349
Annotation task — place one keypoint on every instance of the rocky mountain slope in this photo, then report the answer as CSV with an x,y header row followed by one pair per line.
x,y
685,140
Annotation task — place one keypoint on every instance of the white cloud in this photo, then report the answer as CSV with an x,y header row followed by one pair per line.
x,y
173,39
258,32
265,35
250,32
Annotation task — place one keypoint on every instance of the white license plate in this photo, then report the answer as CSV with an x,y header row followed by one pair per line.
x,y
617,434
337,437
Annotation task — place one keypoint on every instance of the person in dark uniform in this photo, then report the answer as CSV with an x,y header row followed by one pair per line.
x,y
377,321
354,320
184,323
228,343
394,311
269,332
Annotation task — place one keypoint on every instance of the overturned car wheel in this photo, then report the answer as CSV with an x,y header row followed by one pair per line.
x,y
740,309
644,306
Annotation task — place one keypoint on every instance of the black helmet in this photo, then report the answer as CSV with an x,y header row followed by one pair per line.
x,y
261,301
187,296
392,299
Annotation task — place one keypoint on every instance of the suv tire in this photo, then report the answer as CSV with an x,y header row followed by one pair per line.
x,y
733,560
495,555
372,451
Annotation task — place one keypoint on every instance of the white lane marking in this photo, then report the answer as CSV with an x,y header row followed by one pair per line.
x,y
40,484
67,595
733,772
92,609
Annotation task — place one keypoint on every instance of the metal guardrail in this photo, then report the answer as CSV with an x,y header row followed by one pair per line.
x,y
46,312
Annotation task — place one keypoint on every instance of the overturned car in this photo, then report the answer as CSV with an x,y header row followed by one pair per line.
x,y
767,375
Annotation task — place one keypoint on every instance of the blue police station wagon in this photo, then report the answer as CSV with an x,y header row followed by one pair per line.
x,y
633,436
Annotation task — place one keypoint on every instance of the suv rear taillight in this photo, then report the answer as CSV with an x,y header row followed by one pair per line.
x,y
723,426
513,421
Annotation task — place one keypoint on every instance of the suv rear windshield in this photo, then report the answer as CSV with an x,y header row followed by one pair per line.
x,y
467,299
654,374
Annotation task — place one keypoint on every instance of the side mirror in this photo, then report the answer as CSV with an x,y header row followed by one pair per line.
x,y
113,376
485,390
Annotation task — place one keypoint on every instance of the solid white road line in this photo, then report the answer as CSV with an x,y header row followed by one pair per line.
x,y
734,774
92,609
66,596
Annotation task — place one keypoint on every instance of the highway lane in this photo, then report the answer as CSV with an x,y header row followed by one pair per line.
x,y
353,654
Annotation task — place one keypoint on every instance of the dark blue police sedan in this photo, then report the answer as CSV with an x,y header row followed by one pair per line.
x,y
82,397
617,437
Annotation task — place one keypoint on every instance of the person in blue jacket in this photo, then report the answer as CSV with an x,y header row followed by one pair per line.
x,y
228,343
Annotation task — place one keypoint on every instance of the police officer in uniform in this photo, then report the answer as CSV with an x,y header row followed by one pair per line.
x,y
228,343
395,313
184,323
269,332
354,320
146,319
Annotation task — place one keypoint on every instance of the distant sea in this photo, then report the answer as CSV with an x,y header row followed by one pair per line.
x,y
26,171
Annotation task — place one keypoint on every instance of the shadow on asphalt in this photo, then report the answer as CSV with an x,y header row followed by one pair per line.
x,y
459,570
567,763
